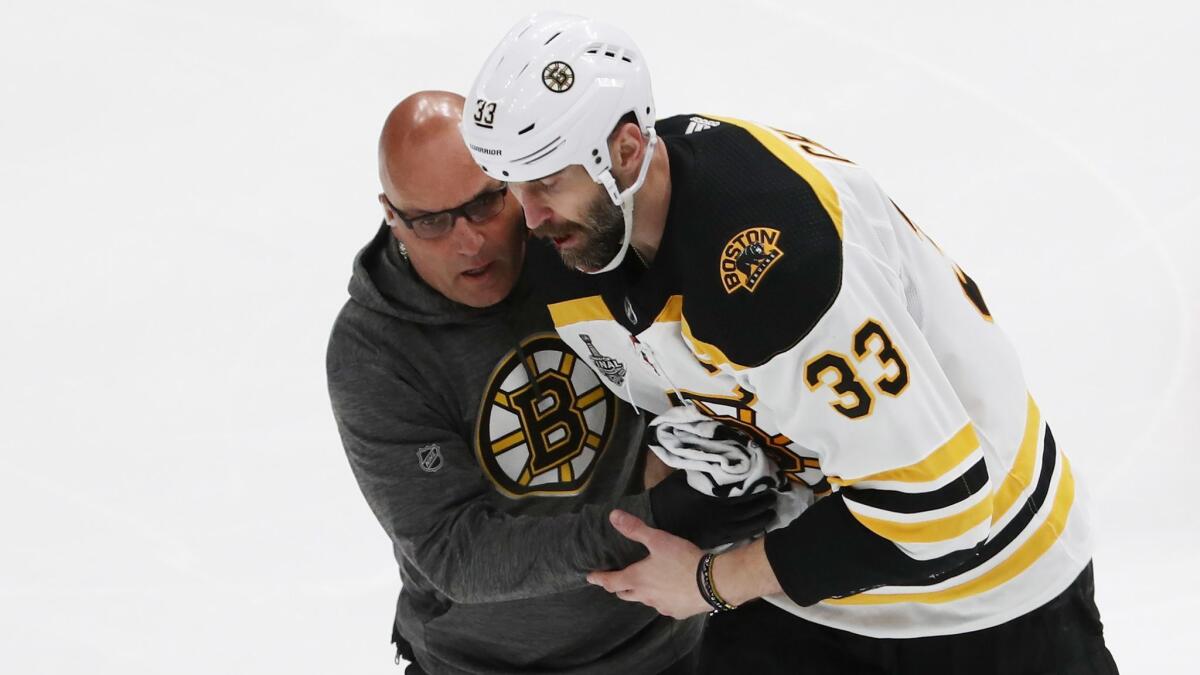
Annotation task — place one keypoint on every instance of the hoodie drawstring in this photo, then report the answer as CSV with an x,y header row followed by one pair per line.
x,y
520,349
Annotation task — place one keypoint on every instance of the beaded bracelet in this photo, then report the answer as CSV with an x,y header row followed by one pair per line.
x,y
708,590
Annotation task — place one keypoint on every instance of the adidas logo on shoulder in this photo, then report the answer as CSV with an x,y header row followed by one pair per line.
x,y
700,124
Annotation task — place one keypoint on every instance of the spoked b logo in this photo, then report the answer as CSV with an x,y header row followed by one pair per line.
x,y
543,436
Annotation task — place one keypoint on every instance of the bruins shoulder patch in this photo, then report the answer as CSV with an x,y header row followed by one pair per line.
x,y
543,436
748,256
756,230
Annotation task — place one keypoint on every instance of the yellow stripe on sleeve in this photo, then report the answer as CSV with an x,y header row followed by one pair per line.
x,y
949,455
929,531
1020,476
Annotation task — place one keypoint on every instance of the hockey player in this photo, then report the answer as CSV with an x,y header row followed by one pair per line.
x,y
776,287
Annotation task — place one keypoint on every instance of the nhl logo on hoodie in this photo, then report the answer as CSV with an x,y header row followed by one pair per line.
x,y
544,420
429,457
747,258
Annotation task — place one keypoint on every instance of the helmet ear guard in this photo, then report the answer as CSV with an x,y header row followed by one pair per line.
x,y
549,96
624,199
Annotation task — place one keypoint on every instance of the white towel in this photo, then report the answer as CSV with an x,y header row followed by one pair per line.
x,y
722,461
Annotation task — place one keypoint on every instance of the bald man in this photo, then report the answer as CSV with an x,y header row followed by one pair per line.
x,y
427,173
488,452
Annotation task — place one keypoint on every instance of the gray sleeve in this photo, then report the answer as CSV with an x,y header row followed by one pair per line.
x,y
442,520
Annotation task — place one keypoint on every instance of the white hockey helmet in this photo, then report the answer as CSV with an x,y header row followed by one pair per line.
x,y
549,96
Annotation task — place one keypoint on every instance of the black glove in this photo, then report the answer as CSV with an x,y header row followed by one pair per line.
x,y
709,521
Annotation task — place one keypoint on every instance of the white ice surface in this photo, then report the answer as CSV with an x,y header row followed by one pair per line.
x,y
183,185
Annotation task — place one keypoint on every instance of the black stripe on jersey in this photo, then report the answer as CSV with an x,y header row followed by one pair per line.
x,y
1027,510
957,490
826,553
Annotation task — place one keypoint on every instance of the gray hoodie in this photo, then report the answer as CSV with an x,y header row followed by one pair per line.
x,y
493,485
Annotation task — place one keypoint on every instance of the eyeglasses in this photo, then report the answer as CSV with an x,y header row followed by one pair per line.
x,y
438,223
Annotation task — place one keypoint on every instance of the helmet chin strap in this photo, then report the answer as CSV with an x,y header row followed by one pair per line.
x,y
624,199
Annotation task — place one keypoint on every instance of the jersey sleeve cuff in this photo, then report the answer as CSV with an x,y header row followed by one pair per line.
x,y
827,553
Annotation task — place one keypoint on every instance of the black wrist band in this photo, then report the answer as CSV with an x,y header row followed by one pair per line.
x,y
708,590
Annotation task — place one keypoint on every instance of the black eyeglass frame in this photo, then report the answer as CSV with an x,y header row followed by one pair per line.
x,y
464,210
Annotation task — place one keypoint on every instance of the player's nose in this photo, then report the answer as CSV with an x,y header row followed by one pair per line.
x,y
537,213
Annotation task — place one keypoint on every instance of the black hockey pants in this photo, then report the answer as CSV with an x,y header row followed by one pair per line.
x,y
1062,637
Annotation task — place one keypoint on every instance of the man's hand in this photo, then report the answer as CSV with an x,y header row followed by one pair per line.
x,y
709,521
665,579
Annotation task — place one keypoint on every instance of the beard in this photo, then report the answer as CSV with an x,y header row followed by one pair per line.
x,y
599,235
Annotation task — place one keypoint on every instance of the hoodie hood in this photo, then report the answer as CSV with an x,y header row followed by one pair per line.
x,y
383,281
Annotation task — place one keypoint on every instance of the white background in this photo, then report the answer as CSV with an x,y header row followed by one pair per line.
x,y
184,186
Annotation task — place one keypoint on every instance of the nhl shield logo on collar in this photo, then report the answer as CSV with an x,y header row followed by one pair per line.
x,y
629,313
747,258
429,457
558,77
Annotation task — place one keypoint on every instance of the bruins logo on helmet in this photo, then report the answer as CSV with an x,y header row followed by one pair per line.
x,y
747,258
558,77
543,435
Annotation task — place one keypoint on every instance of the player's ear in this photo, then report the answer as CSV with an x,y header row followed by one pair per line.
x,y
626,146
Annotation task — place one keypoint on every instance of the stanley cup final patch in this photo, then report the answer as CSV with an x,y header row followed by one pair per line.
x,y
747,258
613,369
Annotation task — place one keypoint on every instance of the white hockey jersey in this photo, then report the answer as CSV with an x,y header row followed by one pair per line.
x,y
792,298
